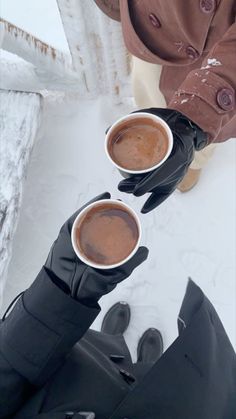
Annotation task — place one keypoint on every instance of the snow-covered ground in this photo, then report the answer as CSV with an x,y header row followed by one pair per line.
x,y
189,235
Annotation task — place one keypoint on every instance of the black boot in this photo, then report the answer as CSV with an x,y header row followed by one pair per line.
x,y
117,319
150,346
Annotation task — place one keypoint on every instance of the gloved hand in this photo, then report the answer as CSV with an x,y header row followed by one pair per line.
x,y
161,182
81,281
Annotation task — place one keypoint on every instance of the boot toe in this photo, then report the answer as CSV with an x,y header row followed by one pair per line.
x,y
150,347
117,319
190,180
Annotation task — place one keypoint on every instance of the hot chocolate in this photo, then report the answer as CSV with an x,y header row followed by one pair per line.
x,y
107,234
138,144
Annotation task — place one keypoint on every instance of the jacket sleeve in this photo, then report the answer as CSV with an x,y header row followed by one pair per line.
x,y
35,338
207,96
110,7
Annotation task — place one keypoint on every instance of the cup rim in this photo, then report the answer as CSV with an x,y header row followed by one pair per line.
x,y
133,116
81,214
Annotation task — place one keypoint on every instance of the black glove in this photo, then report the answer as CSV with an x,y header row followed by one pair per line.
x,y
161,182
82,282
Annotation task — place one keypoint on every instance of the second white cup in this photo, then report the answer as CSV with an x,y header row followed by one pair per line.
x,y
132,120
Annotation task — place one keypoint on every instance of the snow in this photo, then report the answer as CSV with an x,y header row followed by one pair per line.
x,y
214,62
184,101
211,62
191,234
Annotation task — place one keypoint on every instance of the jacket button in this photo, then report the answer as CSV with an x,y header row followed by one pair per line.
x,y
192,52
155,21
207,6
226,99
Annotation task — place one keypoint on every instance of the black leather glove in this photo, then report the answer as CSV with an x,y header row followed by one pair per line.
x,y
81,281
161,182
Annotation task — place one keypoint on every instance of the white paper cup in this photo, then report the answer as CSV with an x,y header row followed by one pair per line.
x,y
82,215
137,116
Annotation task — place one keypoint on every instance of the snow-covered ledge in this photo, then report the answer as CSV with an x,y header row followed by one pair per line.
x,y
19,121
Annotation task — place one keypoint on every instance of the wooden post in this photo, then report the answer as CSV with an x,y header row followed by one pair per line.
x,y
97,63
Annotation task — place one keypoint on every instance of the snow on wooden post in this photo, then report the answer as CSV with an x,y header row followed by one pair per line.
x,y
97,48
42,55
19,122
98,63
49,68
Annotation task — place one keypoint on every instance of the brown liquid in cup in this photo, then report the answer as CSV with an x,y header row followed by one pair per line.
x,y
107,234
138,144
